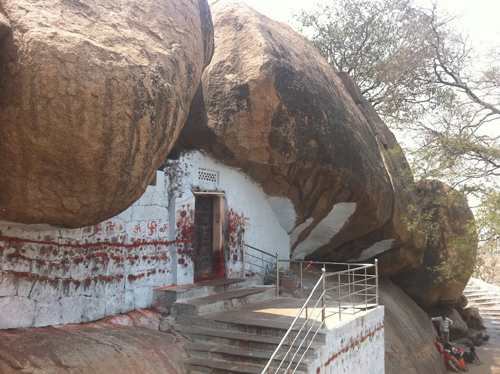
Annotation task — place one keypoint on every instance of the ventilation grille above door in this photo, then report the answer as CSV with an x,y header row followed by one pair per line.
x,y
209,176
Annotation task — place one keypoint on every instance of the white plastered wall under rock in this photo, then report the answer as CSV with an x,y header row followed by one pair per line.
x,y
356,347
51,276
246,215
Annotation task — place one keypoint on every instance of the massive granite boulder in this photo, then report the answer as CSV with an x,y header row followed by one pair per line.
x,y
271,106
409,334
403,233
97,348
450,255
472,318
92,97
4,26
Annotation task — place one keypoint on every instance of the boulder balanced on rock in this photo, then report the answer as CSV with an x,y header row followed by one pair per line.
x,y
273,107
93,95
450,255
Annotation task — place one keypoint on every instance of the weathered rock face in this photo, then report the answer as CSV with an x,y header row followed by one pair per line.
x,y
92,97
451,251
273,107
472,318
4,26
459,328
404,238
409,334
462,302
95,348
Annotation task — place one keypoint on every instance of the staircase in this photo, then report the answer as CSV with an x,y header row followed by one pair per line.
x,y
486,298
231,324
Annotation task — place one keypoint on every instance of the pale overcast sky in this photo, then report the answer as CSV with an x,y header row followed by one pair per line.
x,y
480,17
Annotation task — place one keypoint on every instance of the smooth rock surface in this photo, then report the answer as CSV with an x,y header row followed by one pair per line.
x,y
4,26
459,328
91,348
271,106
409,334
462,302
450,255
472,318
407,235
92,98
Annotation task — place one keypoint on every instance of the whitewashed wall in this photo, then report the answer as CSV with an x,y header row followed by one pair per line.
x,y
248,212
54,276
354,347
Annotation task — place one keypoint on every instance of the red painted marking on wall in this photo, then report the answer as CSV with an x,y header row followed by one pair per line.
x,y
236,230
97,244
137,228
110,226
21,274
349,347
152,227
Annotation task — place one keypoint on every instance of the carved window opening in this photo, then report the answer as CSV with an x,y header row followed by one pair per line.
x,y
208,176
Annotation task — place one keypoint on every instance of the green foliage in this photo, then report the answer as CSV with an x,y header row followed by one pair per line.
x,y
426,80
442,214
384,45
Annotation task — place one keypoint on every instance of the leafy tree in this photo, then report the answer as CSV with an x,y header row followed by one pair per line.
x,y
424,78
384,46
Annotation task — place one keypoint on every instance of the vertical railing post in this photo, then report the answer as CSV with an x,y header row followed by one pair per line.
x,y
376,281
244,265
263,268
307,327
301,279
277,275
323,299
340,297
349,281
366,288
353,292
290,353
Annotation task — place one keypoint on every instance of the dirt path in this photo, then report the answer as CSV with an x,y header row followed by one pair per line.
x,y
489,354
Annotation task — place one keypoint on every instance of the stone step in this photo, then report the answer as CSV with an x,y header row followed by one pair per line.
x,y
483,303
492,319
484,297
165,297
222,301
492,330
489,314
233,355
481,295
240,339
494,308
216,367
248,325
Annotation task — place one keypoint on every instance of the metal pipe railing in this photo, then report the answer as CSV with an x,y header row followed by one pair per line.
x,y
359,296
290,329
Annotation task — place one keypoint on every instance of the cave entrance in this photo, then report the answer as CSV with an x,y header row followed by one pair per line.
x,y
208,256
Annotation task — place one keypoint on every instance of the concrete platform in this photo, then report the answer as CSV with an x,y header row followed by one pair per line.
x,y
242,339
221,301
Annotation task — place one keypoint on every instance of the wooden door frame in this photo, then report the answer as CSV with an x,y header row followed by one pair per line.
x,y
218,233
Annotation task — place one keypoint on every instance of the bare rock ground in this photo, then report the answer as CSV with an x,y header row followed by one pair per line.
x,y
489,354
133,343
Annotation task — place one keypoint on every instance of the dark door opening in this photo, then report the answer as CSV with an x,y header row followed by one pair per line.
x,y
203,237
